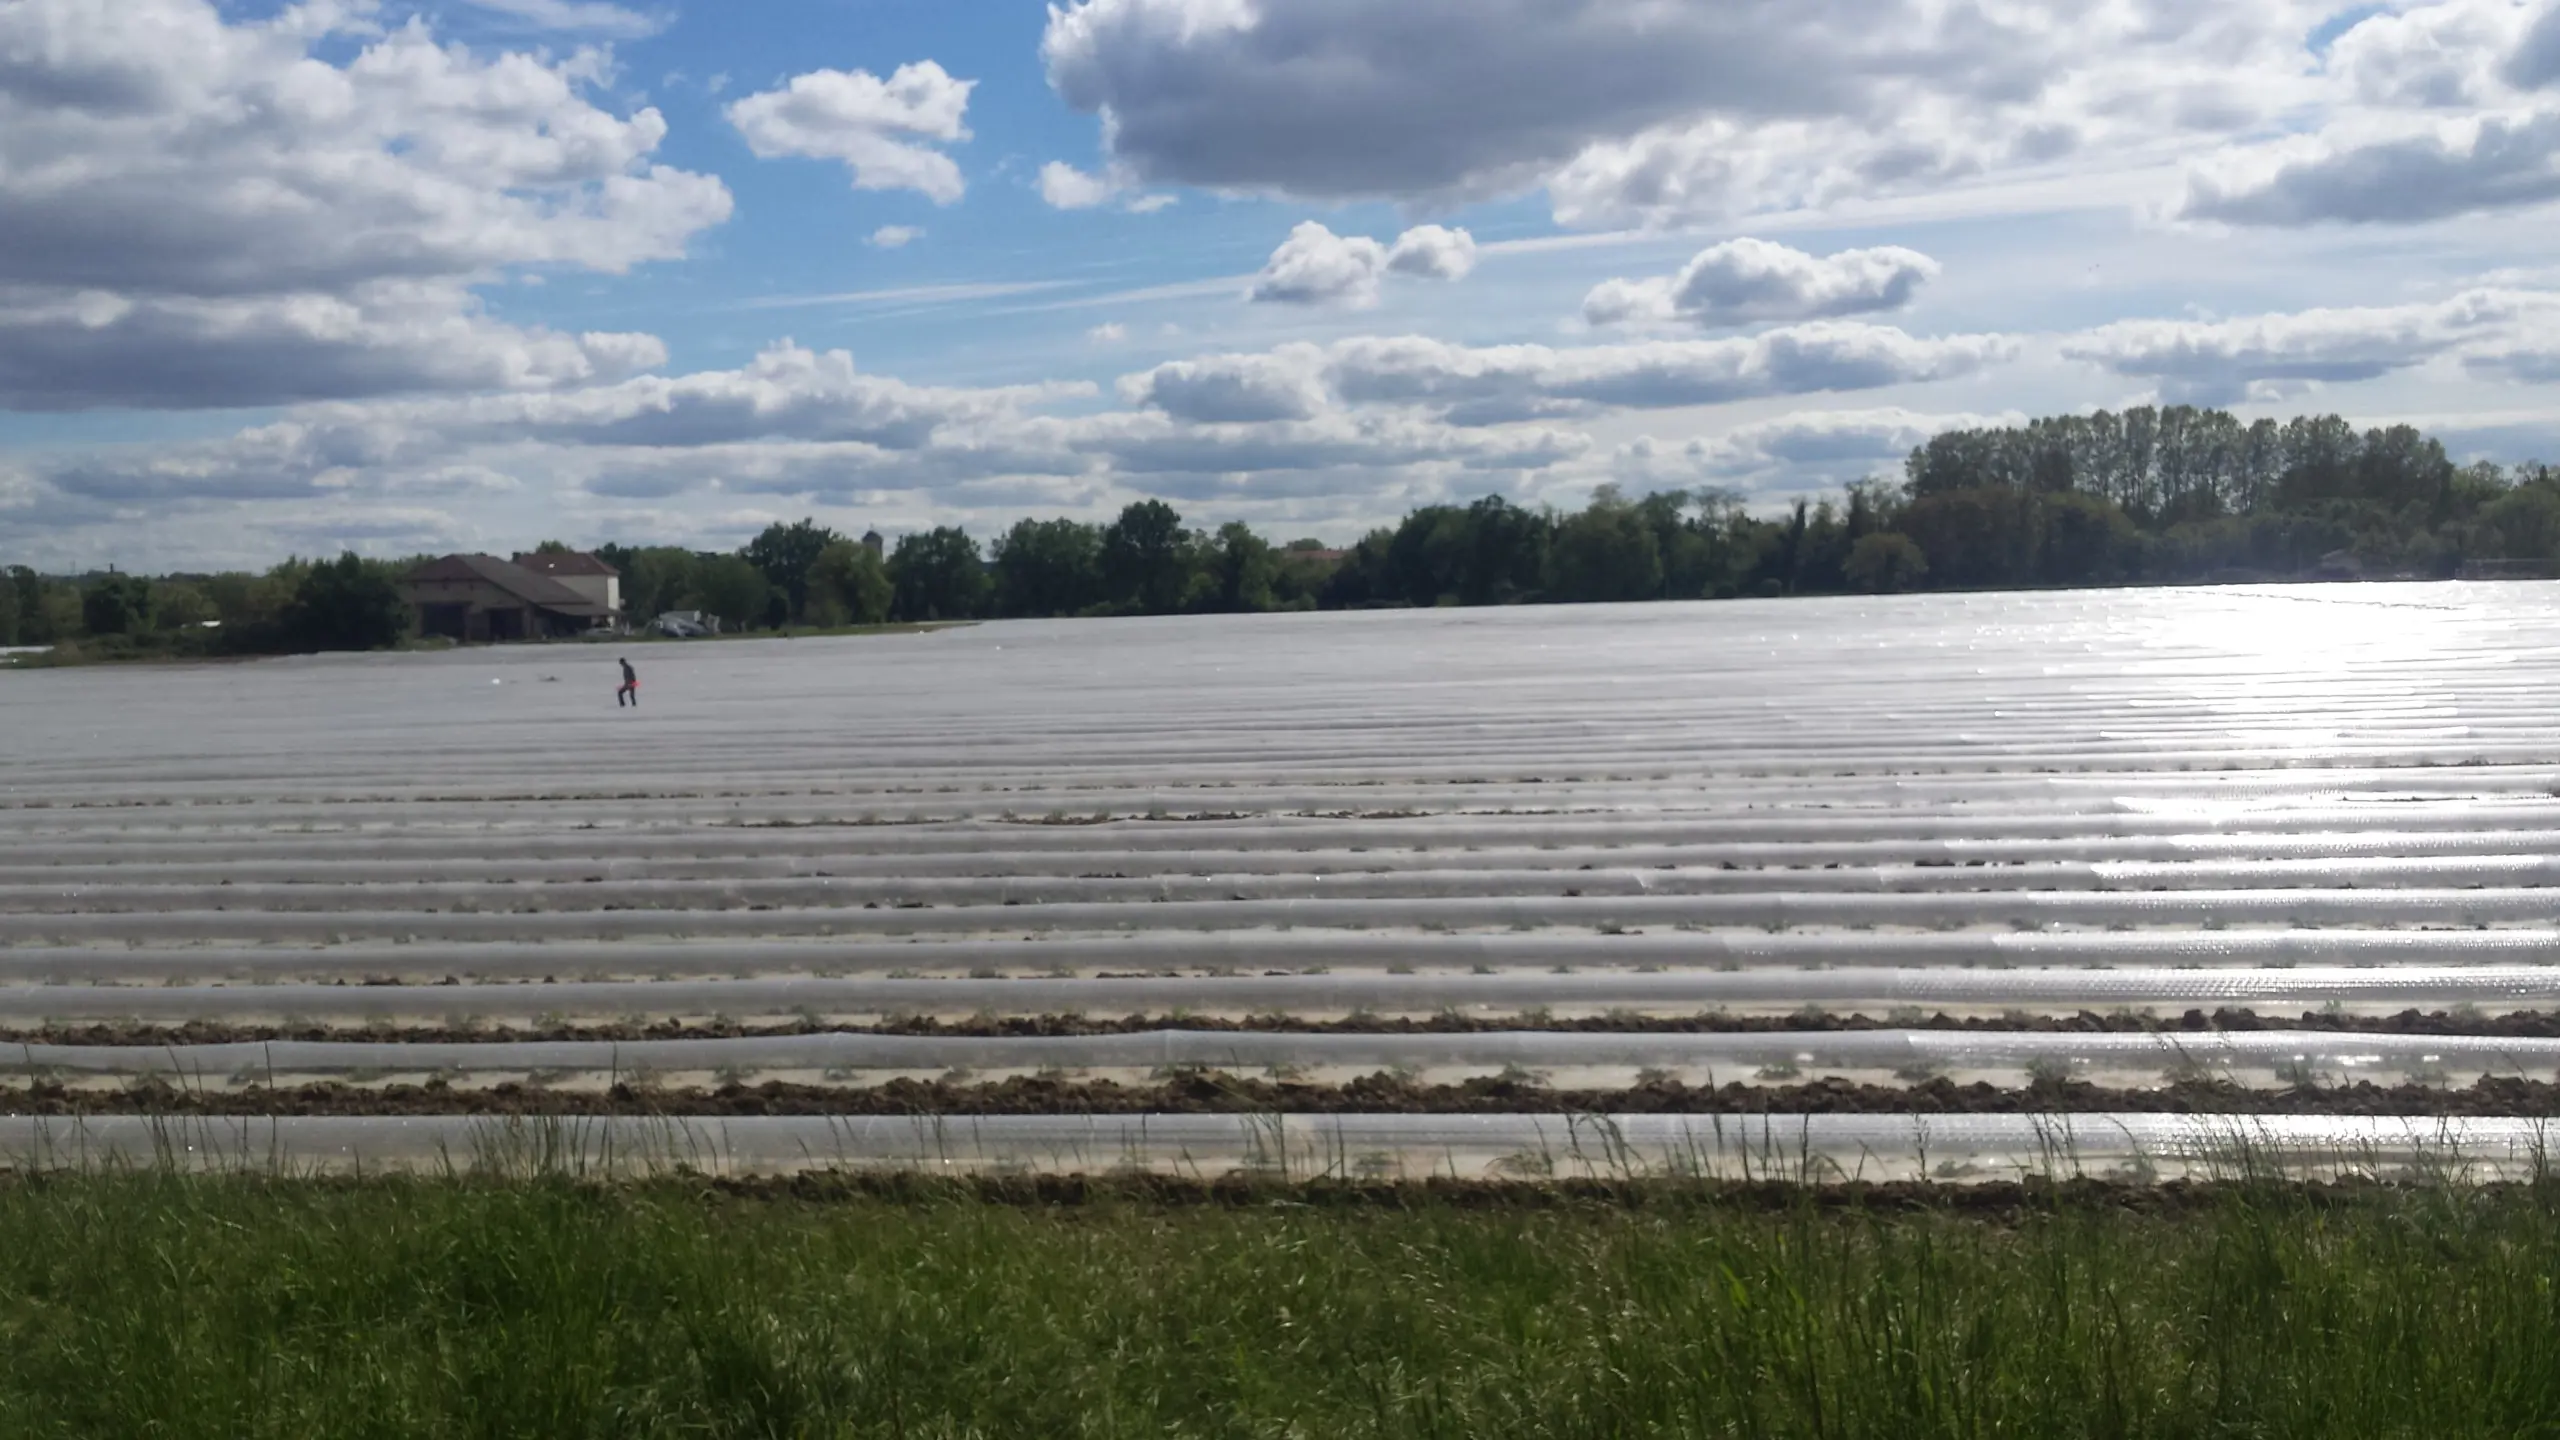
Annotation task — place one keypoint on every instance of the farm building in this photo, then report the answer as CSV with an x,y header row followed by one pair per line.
x,y
584,573
484,598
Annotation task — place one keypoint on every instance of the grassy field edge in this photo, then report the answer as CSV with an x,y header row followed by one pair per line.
x,y
153,1303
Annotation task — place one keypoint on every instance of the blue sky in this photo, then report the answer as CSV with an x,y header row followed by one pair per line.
x,y
281,279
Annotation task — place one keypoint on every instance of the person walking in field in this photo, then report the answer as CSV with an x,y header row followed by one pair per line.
x,y
629,694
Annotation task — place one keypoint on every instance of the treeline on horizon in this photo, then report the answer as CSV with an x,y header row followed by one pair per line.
x,y
2167,495
300,606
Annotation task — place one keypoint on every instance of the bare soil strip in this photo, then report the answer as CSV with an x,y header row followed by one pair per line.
x,y
1994,1201
1222,1094
2525,1024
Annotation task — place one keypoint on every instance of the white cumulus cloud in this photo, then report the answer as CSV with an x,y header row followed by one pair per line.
x,y
1433,252
1288,384
1067,188
885,131
1064,187
1746,281
1314,266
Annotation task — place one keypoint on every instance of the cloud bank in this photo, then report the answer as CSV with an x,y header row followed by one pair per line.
x,y
1631,111
202,212
2218,362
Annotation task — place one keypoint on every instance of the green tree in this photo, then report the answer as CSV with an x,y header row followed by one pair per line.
x,y
1301,574
938,575
786,554
1884,561
2481,484
1491,552
2087,541
179,605
1507,556
1426,557
1362,579
1242,570
2193,492
730,587
349,603
116,605
1982,538
2404,468
655,580
1608,552
619,557
8,611
1048,567
1146,564
35,623
246,604
2522,524
1822,551
61,602
849,586
2319,454
1722,549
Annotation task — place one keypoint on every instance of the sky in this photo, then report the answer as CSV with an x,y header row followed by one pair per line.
x,y
425,275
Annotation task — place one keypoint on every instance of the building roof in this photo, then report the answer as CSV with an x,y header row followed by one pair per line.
x,y
540,591
565,562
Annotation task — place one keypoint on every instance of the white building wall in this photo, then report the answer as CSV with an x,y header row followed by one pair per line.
x,y
605,590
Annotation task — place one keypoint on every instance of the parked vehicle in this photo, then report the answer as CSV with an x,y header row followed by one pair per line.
x,y
686,624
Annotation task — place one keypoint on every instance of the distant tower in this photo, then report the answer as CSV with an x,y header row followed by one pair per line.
x,y
872,542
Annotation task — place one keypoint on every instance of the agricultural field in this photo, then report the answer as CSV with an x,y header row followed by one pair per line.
x,y
2111,1013
2121,884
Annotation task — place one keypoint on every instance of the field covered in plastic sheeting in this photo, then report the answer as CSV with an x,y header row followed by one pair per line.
x,y
2226,841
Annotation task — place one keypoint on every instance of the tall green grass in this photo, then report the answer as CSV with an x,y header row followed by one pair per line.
x,y
168,1306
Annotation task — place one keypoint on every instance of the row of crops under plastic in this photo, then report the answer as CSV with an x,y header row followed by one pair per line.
x,y
1884,841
